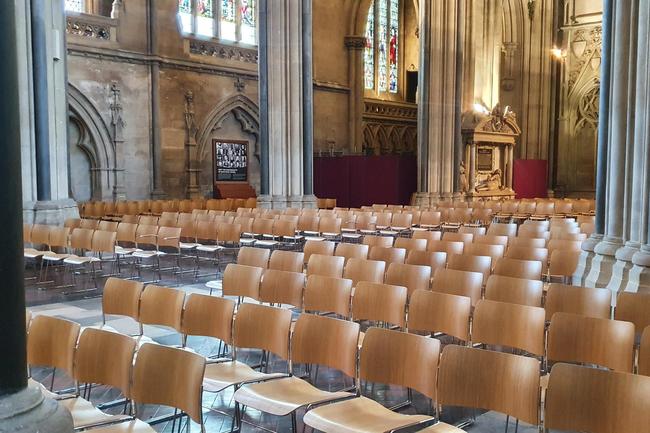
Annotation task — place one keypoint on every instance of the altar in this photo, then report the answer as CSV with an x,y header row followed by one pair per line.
x,y
487,165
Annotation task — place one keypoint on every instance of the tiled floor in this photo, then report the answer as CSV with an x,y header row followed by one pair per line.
x,y
85,308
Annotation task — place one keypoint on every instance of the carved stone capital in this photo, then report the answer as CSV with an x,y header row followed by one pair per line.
x,y
355,42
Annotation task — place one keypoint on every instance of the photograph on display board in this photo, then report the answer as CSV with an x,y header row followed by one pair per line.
x,y
230,161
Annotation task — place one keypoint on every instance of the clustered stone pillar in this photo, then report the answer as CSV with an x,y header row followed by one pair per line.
x,y
438,98
22,409
285,44
620,262
355,46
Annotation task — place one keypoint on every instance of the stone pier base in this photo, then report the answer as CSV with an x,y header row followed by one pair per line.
x,y
28,411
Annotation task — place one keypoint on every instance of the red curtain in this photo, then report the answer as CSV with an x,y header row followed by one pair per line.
x,y
530,178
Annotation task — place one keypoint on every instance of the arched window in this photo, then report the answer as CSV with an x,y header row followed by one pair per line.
x,y
232,20
381,55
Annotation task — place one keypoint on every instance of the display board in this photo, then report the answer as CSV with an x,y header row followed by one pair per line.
x,y
230,160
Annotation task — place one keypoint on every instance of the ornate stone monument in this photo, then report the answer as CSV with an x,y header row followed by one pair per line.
x,y
489,139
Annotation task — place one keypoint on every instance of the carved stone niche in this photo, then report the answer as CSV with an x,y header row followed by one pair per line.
x,y
489,139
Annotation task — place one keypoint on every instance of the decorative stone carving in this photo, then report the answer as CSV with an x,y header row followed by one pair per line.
x,y
193,170
79,27
215,49
383,109
355,42
117,122
586,50
240,84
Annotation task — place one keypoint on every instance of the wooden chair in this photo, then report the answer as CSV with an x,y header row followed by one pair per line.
x,y
516,326
251,256
491,240
464,262
161,306
289,261
316,340
528,242
514,290
427,235
410,244
327,294
379,302
532,232
490,380
578,300
349,251
596,401
474,231
503,229
493,251
330,266
527,269
449,247
434,259
282,287
51,342
465,238
563,264
378,241
413,277
635,308
122,298
256,327
242,281
531,254
564,245
364,270
460,283
644,353
387,254
325,248
208,316
392,358
434,312
430,219
581,339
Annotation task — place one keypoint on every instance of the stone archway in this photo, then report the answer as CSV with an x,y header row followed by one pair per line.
x,y
93,140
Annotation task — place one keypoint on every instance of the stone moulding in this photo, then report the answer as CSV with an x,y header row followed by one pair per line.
x,y
223,51
97,28
390,110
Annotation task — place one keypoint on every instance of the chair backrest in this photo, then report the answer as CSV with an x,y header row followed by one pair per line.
x,y
308,223
461,283
71,223
330,266
325,248
285,228
413,277
208,316
580,339
501,229
493,251
325,341
51,342
512,325
527,269
329,225
578,300
635,308
434,259
528,242
251,256
514,290
364,270
564,263
104,242
430,218
161,306
263,226
264,328
126,233
410,244
122,297
229,233
474,231
328,294
491,240
105,357
490,380
399,358
596,401
59,237
527,253
644,352
349,251
81,239
465,238
440,312
282,287
242,280
377,241
449,247
379,303
290,261
427,235
171,377
387,254
146,235
464,262
88,224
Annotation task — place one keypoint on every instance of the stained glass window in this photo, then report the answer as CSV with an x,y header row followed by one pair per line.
x,y
248,21
381,54
75,5
228,20
204,18
393,45
369,51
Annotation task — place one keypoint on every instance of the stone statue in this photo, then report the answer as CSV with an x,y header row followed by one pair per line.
x,y
492,183
464,183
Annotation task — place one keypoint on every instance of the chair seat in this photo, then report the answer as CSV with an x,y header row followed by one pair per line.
x,y
135,426
125,251
442,427
188,245
77,260
31,253
388,232
359,415
219,376
283,396
351,235
54,257
314,238
147,254
266,243
84,414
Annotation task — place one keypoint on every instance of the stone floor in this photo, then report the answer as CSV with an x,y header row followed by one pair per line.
x,y
85,308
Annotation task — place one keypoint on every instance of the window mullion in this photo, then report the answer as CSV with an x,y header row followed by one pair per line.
x,y
216,16
376,46
238,20
194,16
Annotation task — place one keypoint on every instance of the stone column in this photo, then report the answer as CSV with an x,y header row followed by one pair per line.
x,y
157,191
307,104
584,265
439,98
621,129
117,123
191,149
22,409
355,46
284,50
